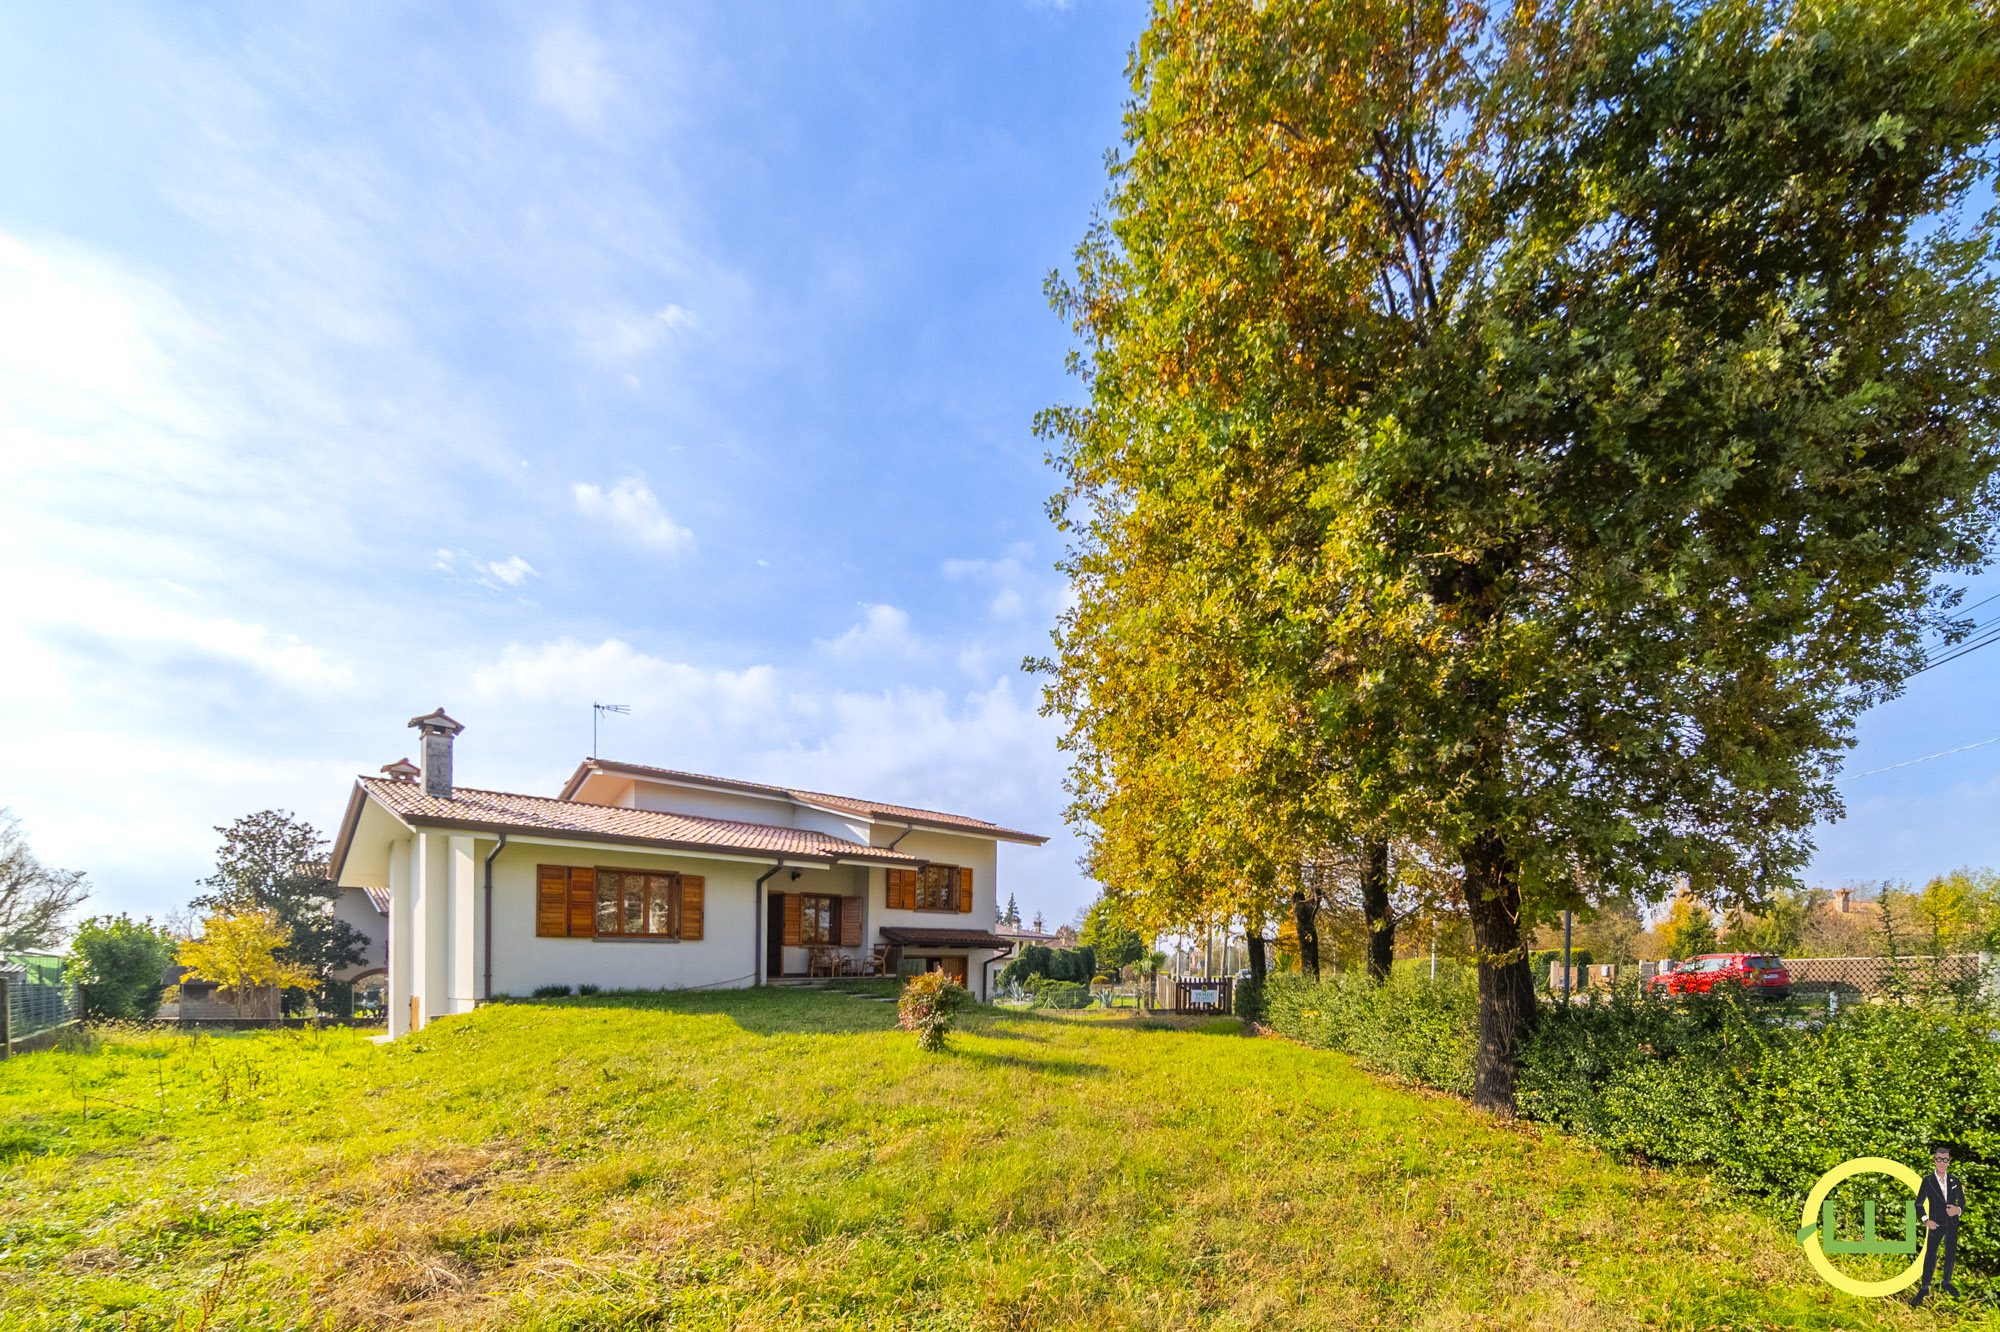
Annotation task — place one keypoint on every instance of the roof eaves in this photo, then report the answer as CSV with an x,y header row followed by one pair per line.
x,y
625,839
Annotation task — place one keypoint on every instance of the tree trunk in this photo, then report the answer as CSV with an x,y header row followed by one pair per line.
x,y
1305,916
1256,944
1506,989
1375,908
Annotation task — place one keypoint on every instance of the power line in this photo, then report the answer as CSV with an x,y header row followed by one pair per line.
x,y
1942,753
1958,650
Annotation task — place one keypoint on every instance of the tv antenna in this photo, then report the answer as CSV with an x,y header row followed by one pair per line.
x,y
598,710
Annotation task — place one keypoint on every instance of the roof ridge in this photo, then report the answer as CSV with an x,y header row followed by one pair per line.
x,y
810,833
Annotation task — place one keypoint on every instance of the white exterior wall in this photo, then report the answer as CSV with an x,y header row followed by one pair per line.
x,y
402,941
840,881
981,853
712,804
462,918
721,958
430,925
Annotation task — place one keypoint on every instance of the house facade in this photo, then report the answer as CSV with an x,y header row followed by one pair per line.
x,y
635,877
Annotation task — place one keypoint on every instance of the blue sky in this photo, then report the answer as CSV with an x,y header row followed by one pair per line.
x,y
361,359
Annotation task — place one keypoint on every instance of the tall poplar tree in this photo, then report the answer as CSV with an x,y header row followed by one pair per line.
x,y
1539,431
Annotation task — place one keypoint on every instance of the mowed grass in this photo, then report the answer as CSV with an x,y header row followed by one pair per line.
x,y
781,1159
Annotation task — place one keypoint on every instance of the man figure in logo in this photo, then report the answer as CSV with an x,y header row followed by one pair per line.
x,y
1941,1201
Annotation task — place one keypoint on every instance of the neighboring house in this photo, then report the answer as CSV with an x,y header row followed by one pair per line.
x,y
646,878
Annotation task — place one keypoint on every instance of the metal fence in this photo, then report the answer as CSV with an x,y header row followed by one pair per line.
x,y
34,1010
1867,976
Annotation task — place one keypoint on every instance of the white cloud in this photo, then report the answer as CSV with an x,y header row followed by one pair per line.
x,y
570,76
94,635
631,506
675,316
569,673
510,570
884,631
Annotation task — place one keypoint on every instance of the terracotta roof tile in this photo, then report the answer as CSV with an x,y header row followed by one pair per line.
x,y
913,936
873,809
575,818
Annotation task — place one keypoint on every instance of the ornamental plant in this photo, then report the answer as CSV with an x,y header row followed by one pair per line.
x,y
929,1006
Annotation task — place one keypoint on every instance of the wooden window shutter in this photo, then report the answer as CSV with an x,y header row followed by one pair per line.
x,y
791,934
850,922
582,902
964,888
551,901
693,887
903,889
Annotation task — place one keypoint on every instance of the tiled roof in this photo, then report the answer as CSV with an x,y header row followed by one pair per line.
x,y
500,810
911,936
378,898
871,809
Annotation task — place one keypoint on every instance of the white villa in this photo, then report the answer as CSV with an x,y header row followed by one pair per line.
x,y
635,877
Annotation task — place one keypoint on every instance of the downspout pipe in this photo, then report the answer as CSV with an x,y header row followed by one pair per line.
x,y
489,914
757,925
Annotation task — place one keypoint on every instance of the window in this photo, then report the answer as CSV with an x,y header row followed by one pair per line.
x,y
636,904
819,919
574,902
937,888
931,888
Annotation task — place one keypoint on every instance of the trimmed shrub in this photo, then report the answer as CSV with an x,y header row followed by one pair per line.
x,y
1248,1003
549,992
1064,964
929,1006
1768,1104
1410,1027
1051,993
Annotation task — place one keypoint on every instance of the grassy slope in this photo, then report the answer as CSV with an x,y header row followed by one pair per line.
x,y
785,1159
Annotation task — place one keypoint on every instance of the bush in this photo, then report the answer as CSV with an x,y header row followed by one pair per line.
x,y
586,989
929,1006
1248,1001
1411,1027
1065,964
1725,1085
549,992
1743,1090
122,965
1051,993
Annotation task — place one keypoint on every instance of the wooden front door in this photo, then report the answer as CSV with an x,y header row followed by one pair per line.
x,y
953,967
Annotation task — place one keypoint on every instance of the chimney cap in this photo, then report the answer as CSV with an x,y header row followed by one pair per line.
x,y
436,723
403,770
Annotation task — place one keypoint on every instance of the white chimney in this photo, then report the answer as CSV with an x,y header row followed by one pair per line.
x,y
436,731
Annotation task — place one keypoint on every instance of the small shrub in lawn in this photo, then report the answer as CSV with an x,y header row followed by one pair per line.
x,y
929,1006
586,989
549,992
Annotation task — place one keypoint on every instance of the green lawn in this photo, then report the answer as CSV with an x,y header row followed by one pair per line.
x,y
784,1159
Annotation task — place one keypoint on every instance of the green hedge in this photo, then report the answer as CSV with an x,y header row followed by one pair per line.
x,y
1768,1104
1413,1027
1760,1098
1052,993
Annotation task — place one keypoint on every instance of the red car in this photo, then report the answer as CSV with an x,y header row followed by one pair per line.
x,y
1759,974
